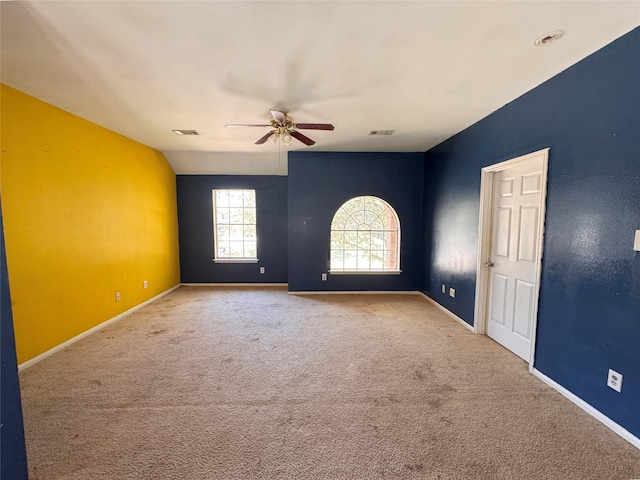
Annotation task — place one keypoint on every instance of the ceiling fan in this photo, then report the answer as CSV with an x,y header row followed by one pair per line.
x,y
284,127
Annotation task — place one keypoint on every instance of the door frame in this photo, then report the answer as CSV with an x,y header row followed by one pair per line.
x,y
484,241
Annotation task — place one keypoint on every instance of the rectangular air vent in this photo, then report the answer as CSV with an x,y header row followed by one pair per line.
x,y
185,132
381,132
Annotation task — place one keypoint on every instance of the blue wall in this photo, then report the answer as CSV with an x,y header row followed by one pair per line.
x,y
13,457
195,220
319,183
589,311
451,209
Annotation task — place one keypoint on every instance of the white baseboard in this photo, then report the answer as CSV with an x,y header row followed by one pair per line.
x,y
602,418
356,292
628,436
86,333
234,284
448,312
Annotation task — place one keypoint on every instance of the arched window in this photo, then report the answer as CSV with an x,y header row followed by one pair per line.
x,y
365,237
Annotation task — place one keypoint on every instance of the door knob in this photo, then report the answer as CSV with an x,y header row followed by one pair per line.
x,y
489,264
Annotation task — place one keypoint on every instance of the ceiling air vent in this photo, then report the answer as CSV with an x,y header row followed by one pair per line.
x,y
185,132
381,132
548,38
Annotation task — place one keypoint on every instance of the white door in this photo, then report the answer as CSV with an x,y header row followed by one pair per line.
x,y
514,258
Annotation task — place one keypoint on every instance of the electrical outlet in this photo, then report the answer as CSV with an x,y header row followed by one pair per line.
x,y
324,277
614,380
261,269
452,292
444,288
145,284
117,296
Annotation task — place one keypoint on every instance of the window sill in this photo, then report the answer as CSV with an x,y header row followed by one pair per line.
x,y
365,272
235,260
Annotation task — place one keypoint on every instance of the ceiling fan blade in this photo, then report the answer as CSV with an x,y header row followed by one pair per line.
x,y
231,125
315,126
278,116
304,139
264,138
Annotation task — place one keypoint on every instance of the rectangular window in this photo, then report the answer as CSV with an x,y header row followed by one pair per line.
x,y
234,226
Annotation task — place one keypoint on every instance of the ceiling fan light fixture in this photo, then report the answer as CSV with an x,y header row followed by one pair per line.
x,y
283,127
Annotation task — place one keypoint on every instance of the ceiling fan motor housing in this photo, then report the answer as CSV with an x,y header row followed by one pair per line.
x,y
282,125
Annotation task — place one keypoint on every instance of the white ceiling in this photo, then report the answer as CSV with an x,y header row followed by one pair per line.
x,y
425,69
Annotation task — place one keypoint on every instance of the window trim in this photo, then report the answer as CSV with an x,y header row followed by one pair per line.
x,y
214,212
396,271
365,272
236,260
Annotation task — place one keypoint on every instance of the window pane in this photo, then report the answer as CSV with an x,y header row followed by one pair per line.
x,y
339,219
250,232
364,240
249,198
236,249
250,250
223,249
249,215
370,217
236,198
390,220
390,259
337,259
236,232
374,204
350,259
351,239
377,260
223,233
350,207
222,215
359,218
390,240
235,216
337,240
377,240
351,224
222,198
377,223
363,262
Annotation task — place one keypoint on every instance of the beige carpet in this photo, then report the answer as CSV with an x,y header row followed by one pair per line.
x,y
242,383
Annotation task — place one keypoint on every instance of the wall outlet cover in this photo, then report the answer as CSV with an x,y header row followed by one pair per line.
x,y
636,243
452,292
614,380
444,288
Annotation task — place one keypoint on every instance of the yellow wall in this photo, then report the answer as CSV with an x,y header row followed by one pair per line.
x,y
87,213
